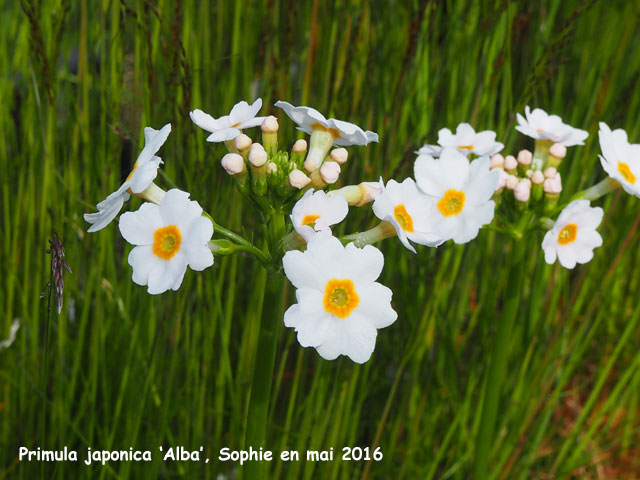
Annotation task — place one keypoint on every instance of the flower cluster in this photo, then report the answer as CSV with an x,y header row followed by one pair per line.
x,y
457,187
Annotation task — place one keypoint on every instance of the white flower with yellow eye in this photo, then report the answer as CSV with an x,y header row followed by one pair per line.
x,y
620,159
467,140
144,172
542,126
340,304
409,211
230,126
168,238
461,192
573,236
316,212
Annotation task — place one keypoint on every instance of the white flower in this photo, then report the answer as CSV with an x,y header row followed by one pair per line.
x,y
225,128
168,237
467,141
409,211
344,133
315,212
542,126
144,172
573,236
620,159
431,150
461,192
340,305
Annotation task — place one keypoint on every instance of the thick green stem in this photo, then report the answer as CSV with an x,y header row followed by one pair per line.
x,y
495,376
266,352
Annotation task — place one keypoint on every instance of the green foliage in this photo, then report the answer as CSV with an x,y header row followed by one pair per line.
x,y
125,369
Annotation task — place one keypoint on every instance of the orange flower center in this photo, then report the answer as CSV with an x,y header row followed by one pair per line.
x,y
318,126
403,218
235,125
340,297
166,242
625,171
452,203
568,234
466,147
310,220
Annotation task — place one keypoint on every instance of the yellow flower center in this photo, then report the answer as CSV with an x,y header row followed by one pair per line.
x,y
540,130
310,220
340,297
166,242
625,171
135,167
235,125
466,147
568,234
318,126
403,218
452,203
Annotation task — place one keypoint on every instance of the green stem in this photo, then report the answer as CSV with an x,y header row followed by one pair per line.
x,y
266,353
598,190
497,367
376,234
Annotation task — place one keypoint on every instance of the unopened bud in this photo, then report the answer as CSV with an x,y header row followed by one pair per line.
x,y
525,157
558,150
243,142
300,146
512,182
502,179
329,172
497,161
369,191
270,134
522,192
271,168
537,177
550,172
510,163
233,163
339,155
298,179
257,155
270,124
553,185
528,173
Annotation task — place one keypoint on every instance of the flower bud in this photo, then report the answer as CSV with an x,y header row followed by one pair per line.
x,y
553,185
550,172
511,182
537,178
243,143
270,134
270,125
271,168
369,191
300,146
298,152
298,179
502,179
522,192
525,158
339,155
528,173
329,172
556,153
510,164
233,164
497,161
257,155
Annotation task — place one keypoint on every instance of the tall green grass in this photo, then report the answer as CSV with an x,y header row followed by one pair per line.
x,y
126,369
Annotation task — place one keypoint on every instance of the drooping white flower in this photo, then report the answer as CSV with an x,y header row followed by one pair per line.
x,y
344,133
542,126
409,211
573,236
228,127
144,172
467,140
340,304
620,159
316,211
461,191
168,238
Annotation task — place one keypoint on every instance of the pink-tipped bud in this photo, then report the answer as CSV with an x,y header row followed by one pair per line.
x,y
368,191
558,150
300,146
233,163
270,124
526,181
510,163
553,185
511,182
243,142
550,172
329,172
298,179
525,157
522,192
497,161
339,155
271,168
257,155
309,164
502,178
537,177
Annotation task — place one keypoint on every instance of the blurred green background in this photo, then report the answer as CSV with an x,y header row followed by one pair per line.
x,y
79,82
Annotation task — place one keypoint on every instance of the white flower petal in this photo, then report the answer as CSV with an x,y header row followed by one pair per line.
x,y
138,227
